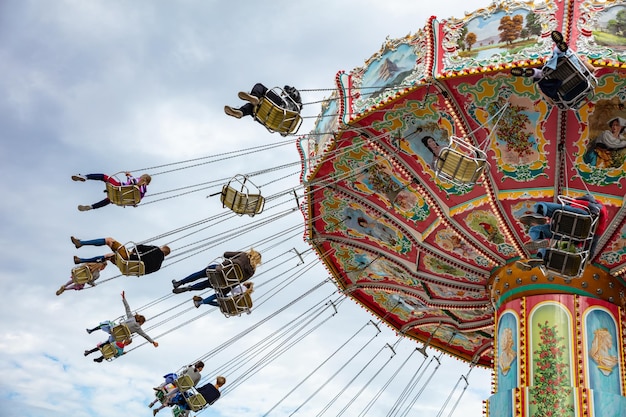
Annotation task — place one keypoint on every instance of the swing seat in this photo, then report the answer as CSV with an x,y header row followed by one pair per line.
x,y
226,275
460,163
573,225
81,274
129,267
120,332
196,402
183,383
577,82
276,118
123,195
108,350
565,263
242,203
236,196
235,305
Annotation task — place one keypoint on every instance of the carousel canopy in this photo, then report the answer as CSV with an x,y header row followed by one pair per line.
x,y
420,251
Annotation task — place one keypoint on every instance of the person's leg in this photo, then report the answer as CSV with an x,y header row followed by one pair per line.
x,y
200,286
105,326
190,278
101,204
101,258
258,90
90,351
74,286
103,178
247,109
210,300
547,209
93,242
540,232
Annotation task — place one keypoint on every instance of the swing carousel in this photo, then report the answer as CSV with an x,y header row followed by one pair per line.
x,y
421,167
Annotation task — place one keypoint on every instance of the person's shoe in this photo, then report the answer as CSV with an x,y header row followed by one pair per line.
x,y
249,97
236,113
522,72
532,219
100,359
175,283
84,208
197,301
60,290
79,177
535,245
179,290
76,260
558,39
154,412
76,242
89,331
529,264
87,352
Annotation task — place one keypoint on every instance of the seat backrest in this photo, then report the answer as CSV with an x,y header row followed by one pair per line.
x,y
576,81
235,305
567,264
184,383
81,274
242,203
130,267
275,118
573,225
196,402
458,168
120,332
217,279
123,195
230,197
108,350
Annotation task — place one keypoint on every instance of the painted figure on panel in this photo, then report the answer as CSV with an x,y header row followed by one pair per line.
x,y
507,353
600,346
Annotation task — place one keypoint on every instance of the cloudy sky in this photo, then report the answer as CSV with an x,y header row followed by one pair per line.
x,y
110,86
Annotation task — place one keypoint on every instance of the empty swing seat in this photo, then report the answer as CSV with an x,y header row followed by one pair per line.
x,y
120,332
235,305
81,274
564,263
276,118
576,81
108,350
225,275
460,163
241,202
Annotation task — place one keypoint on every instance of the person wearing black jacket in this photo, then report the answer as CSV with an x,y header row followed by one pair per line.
x,y
151,256
289,99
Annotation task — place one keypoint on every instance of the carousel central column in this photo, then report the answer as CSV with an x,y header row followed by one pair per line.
x,y
558,345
